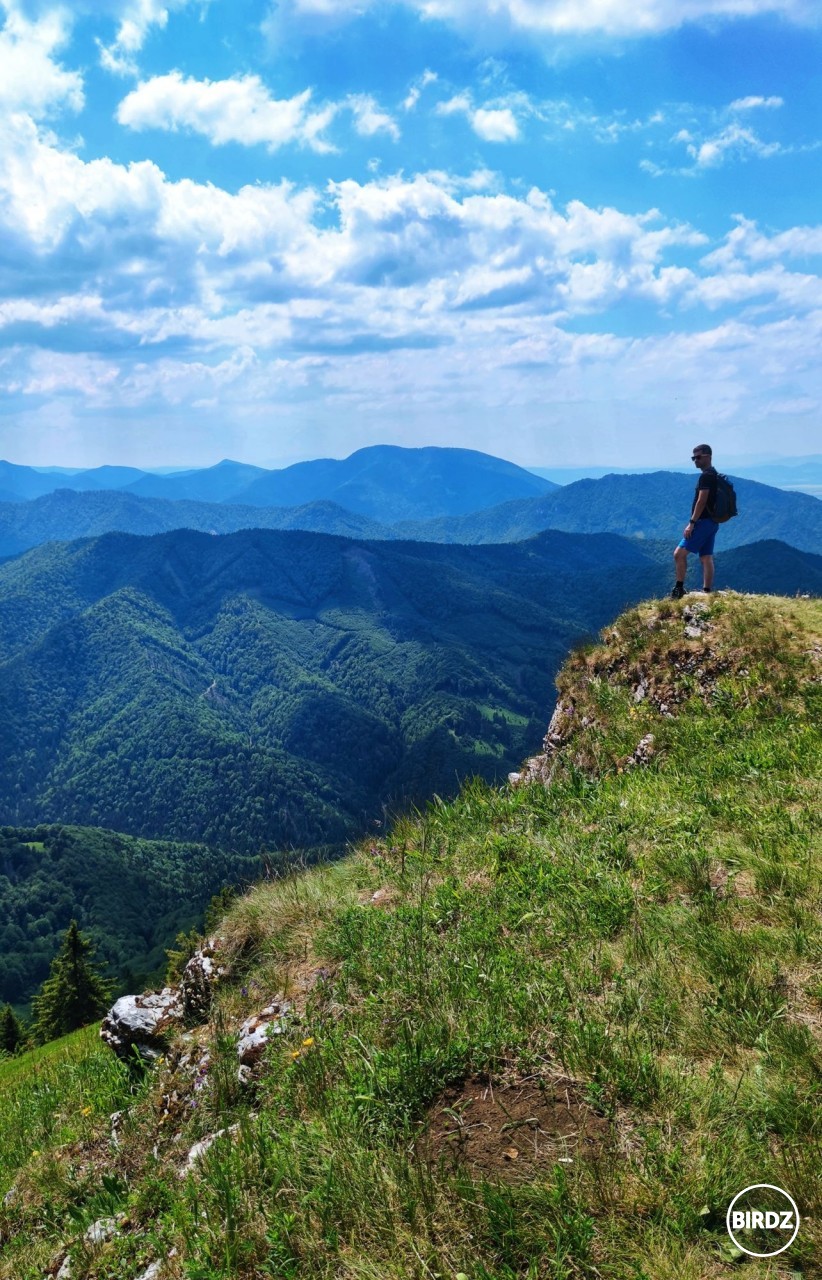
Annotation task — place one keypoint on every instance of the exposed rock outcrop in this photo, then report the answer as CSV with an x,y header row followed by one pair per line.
x,y
255,1034
143,1023
199,979
146,1022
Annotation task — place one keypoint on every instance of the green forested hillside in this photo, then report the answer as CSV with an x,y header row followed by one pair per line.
x,y
544,1032
67,514
636,506
646,507
280,688
132,896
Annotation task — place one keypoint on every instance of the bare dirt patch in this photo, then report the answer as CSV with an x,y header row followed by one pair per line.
x,y
513,1131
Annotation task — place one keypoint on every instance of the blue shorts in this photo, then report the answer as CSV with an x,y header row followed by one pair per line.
x,y
701,541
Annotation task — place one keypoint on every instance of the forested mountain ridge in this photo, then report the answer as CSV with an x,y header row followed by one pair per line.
x,y
574,1017
133,896
382,482
68,514
389,483
279,688
649,507
655,505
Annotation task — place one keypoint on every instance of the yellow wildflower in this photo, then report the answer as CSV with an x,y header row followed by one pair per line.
x,y
86,1111
308,1043
296,1053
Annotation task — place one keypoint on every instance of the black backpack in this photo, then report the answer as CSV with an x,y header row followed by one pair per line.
x,y
724,507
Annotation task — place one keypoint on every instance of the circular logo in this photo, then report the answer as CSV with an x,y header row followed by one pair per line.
x,y
762,1220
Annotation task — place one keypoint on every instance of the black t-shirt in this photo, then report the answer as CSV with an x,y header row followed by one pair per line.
x,y
707,480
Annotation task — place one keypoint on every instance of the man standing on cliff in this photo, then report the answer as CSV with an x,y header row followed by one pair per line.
x,y
700,530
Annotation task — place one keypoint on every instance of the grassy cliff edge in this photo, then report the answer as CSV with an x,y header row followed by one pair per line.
x,y
543,1031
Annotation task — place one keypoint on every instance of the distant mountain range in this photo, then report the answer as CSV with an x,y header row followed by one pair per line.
x,y
384,483
650,506
638,506
279,689
68,514
803,474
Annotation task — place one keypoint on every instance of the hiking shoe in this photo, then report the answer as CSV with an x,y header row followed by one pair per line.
x,y
708,591
678,591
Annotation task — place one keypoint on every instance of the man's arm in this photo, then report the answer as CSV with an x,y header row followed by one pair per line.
x,y
700,504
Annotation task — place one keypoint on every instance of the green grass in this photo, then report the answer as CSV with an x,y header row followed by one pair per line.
x,y
649,936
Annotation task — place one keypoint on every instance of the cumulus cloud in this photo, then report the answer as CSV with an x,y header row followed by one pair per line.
x,y
734,140
713,138
746,244
496,20
495,125
30,78
753,101
239,109
415,92
249,298
136,18
492,123
369,118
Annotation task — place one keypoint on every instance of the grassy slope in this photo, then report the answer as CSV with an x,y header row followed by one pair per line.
x,y
645,938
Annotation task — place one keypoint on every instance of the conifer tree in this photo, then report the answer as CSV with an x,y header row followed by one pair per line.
x,y
11,1033
75,993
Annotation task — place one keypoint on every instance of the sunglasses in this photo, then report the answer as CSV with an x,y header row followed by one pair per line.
x,y
694,456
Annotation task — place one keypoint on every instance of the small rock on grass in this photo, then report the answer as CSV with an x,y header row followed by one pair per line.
x,y
152,1271
101,1230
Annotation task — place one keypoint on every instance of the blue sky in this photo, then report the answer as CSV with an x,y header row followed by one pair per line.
x,y
565,232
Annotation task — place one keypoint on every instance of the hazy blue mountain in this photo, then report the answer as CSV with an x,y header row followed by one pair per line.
x,y
803,474
643,506
103,478
21,483
67,514
225,482
636,506
771,567
370,482
388,483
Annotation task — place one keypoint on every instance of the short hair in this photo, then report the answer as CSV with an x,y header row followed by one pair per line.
x,y
703,448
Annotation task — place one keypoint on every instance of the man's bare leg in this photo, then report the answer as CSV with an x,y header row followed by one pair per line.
x,y
681,562
707,572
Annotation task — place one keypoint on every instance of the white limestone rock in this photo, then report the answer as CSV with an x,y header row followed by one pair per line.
x,y
142,1022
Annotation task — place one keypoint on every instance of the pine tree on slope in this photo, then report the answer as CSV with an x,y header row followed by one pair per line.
x,y
11,1033
75,993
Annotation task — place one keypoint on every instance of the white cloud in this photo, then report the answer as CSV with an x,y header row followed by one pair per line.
x,y
369,118
240,109
431,294
498,125
493,21
493,122
415,92
734,140
746,243
714,138
30,79
136,18
749,103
